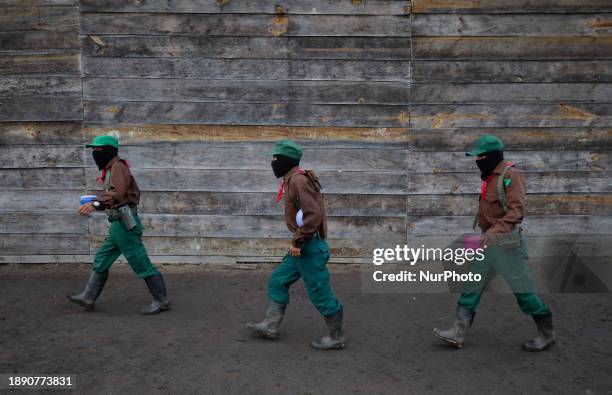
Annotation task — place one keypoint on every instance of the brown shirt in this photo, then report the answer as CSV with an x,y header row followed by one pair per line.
x,y
491,215
123,188
307,196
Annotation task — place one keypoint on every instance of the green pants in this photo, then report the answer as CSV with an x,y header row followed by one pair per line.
x,y
127,242
509,262
312,266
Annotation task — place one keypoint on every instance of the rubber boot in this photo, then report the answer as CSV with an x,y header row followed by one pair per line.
x,y
157,288
455,335
92,290
334,340
546,334
269,327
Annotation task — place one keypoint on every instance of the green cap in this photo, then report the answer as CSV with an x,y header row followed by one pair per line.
x,y
100,141
486,143
288,148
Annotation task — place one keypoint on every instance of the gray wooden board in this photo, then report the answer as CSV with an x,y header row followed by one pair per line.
x,y
39,63
44,244
65,201
37,3
41,41
54,86
32,156
47,178
246,25
530,161
543,182
514,138
511,93
246,69
290,114
39,18
511,25
268,91
501,48
510,115
242,226
373,7
510,6
41,133
546,70
249,181
43,222
40,109
390,48
535,204
540,225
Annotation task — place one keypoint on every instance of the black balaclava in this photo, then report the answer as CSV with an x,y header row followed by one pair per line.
x,y
283,164
103,156
488,164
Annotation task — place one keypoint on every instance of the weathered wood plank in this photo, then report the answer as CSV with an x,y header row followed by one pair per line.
x,y
513,71
285,114
510,115
246,226
514,138
43,244
37,3
203,156
246,25
253,181
509,6
191,90
517,48
535,225
247,69
526,161
250,247
39,63
32,156
41,133
40,201
544,182
40,109
31,223
69,86
226,135
38,41
51,178
535,204
357,48
511,25
57,18
511,93
370,7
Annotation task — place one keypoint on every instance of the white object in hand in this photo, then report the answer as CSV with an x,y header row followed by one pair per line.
x,y
299,218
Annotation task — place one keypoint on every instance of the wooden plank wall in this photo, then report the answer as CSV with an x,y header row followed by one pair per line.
x,y
384,95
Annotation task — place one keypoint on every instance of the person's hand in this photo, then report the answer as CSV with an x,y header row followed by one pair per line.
x,y
86,209
295,251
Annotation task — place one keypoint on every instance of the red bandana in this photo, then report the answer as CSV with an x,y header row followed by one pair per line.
x,y
281,187
485,183
102,175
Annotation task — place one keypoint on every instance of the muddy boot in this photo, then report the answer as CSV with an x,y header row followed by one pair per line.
x,y
546,334
160,302
92,290
268,328
455,335
335,338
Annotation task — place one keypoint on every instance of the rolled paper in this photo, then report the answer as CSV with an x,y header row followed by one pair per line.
x,y
87,199
472,241
299,218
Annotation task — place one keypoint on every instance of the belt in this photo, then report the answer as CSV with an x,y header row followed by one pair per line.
x,y
114,215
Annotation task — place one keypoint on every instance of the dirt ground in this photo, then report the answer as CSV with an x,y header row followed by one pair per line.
x,y
202,346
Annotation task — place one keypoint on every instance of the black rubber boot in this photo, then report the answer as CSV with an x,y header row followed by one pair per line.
x,y
334,340
546,334
157,288
455,335
269,327
92,290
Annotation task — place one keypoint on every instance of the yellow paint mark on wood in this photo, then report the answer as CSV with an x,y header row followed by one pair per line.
x,y
222,2
112,109
361,100
599,23
576,112
97,40
403,118
432,5
279,25
356,2
279,9
439,119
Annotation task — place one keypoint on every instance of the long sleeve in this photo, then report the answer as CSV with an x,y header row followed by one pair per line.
x,y
515,198
308,198
119,182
